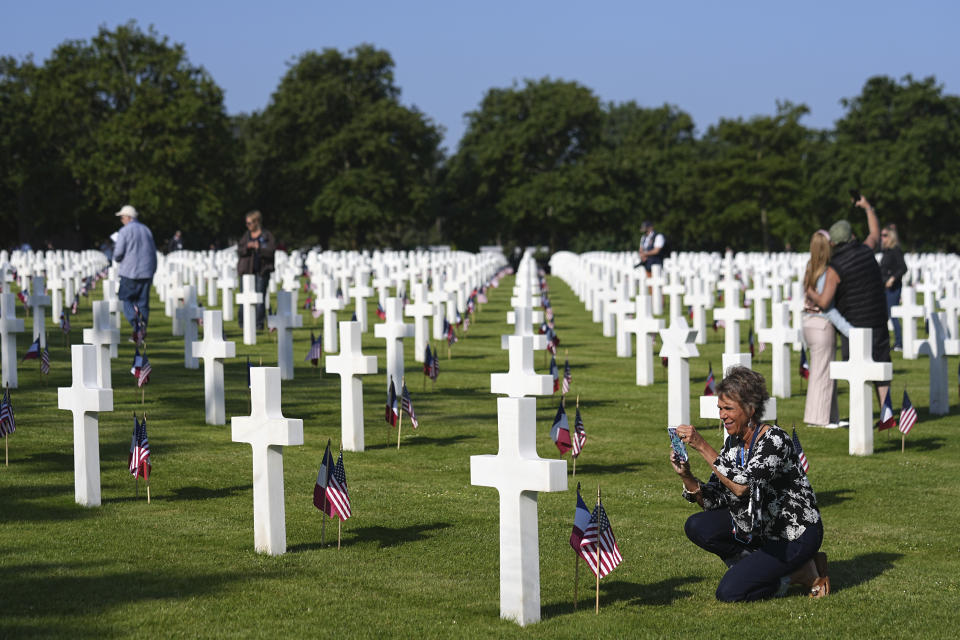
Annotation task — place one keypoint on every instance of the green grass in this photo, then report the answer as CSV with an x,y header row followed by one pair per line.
x,y
420,555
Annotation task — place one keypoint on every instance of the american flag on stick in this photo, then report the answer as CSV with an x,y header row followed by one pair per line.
x,y
143,376
908,415
139,459
599,529
45,362
406,404
801,456
316,349
579,436
338,498
64,322
567,378
8,423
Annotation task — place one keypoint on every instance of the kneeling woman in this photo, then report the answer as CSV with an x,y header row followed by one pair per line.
x,y
760,513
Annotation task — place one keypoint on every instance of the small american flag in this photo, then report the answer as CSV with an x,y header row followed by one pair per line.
x,y
75,307
427,361
567,378
801,456
143,377
579,437
45,362
64,322
139,458
908,415
337,496
406,404
599,528
8,424
435,366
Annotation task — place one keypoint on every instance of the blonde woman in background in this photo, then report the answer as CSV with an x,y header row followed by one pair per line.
x,y
820,328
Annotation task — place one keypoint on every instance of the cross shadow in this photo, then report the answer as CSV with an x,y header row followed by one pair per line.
x,y
600,469
845,574
53,461
205,493
661,593
27,504
386,537
830,498
89,596
928,443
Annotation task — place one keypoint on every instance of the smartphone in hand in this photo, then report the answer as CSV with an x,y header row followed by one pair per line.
x,y
678,447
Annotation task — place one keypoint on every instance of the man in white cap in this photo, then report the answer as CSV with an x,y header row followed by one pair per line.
x,y
136,254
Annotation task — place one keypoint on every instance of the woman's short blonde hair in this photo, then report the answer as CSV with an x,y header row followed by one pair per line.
x,y
255,216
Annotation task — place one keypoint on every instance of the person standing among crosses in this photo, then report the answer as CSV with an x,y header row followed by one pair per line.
x,y
855,287
651,246
136,254
892,270
255,250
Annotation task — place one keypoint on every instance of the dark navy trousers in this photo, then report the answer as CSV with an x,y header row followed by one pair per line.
x,y
756,569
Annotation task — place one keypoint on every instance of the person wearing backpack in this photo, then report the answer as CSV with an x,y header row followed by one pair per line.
x,y
652,246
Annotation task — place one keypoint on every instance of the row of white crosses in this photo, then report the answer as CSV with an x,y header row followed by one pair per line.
x,y
517,472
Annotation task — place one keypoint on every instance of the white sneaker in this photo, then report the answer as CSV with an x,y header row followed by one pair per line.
x,y
844,423
832,425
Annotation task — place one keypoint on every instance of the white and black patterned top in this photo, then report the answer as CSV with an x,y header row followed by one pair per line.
x,y
781,494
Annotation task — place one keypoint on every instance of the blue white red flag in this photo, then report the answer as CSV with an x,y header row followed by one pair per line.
x,y
581,520
560,431
555,373
392,413
34,351
323,480
887,419
710,388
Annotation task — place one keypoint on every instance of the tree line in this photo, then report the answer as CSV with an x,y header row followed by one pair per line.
x,y
335,159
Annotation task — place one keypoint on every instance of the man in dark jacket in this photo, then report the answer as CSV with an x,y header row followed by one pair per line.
x,y
255,251
855,287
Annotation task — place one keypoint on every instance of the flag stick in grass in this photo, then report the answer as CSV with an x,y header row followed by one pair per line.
x,y
574,435
403,382
598,556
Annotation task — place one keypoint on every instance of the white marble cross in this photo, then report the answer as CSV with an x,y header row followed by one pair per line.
x,y
708,404
102,336
187,315
522,319
213,349
420,311
227,284
286,320
645,326
267,432
700,299
518,473
248,300
39,300
360,292
349,364
10,326
731,314
908,311
621,308
86,400
758,294
938,347
678,348
438,298
781,336
328,302
674,291
521,380
393,330
860,370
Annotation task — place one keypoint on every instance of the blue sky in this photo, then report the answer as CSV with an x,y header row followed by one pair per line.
x,y
712,59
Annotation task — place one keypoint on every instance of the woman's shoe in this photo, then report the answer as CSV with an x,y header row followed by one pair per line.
x,y
820,586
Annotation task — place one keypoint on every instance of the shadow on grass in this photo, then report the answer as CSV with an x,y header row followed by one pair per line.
x,y
384,537
419,441
661,593
27,587
622,467
830,498
20,505
929,443
206,493
52,461
845,574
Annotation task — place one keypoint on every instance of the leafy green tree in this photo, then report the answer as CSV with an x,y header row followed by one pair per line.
x,y
899,142
132,121
336,159
519,174
753,175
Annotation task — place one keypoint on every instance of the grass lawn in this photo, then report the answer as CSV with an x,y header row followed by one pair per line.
x,y
420,555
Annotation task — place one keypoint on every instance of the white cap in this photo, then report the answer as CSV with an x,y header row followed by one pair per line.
x,y
127,210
